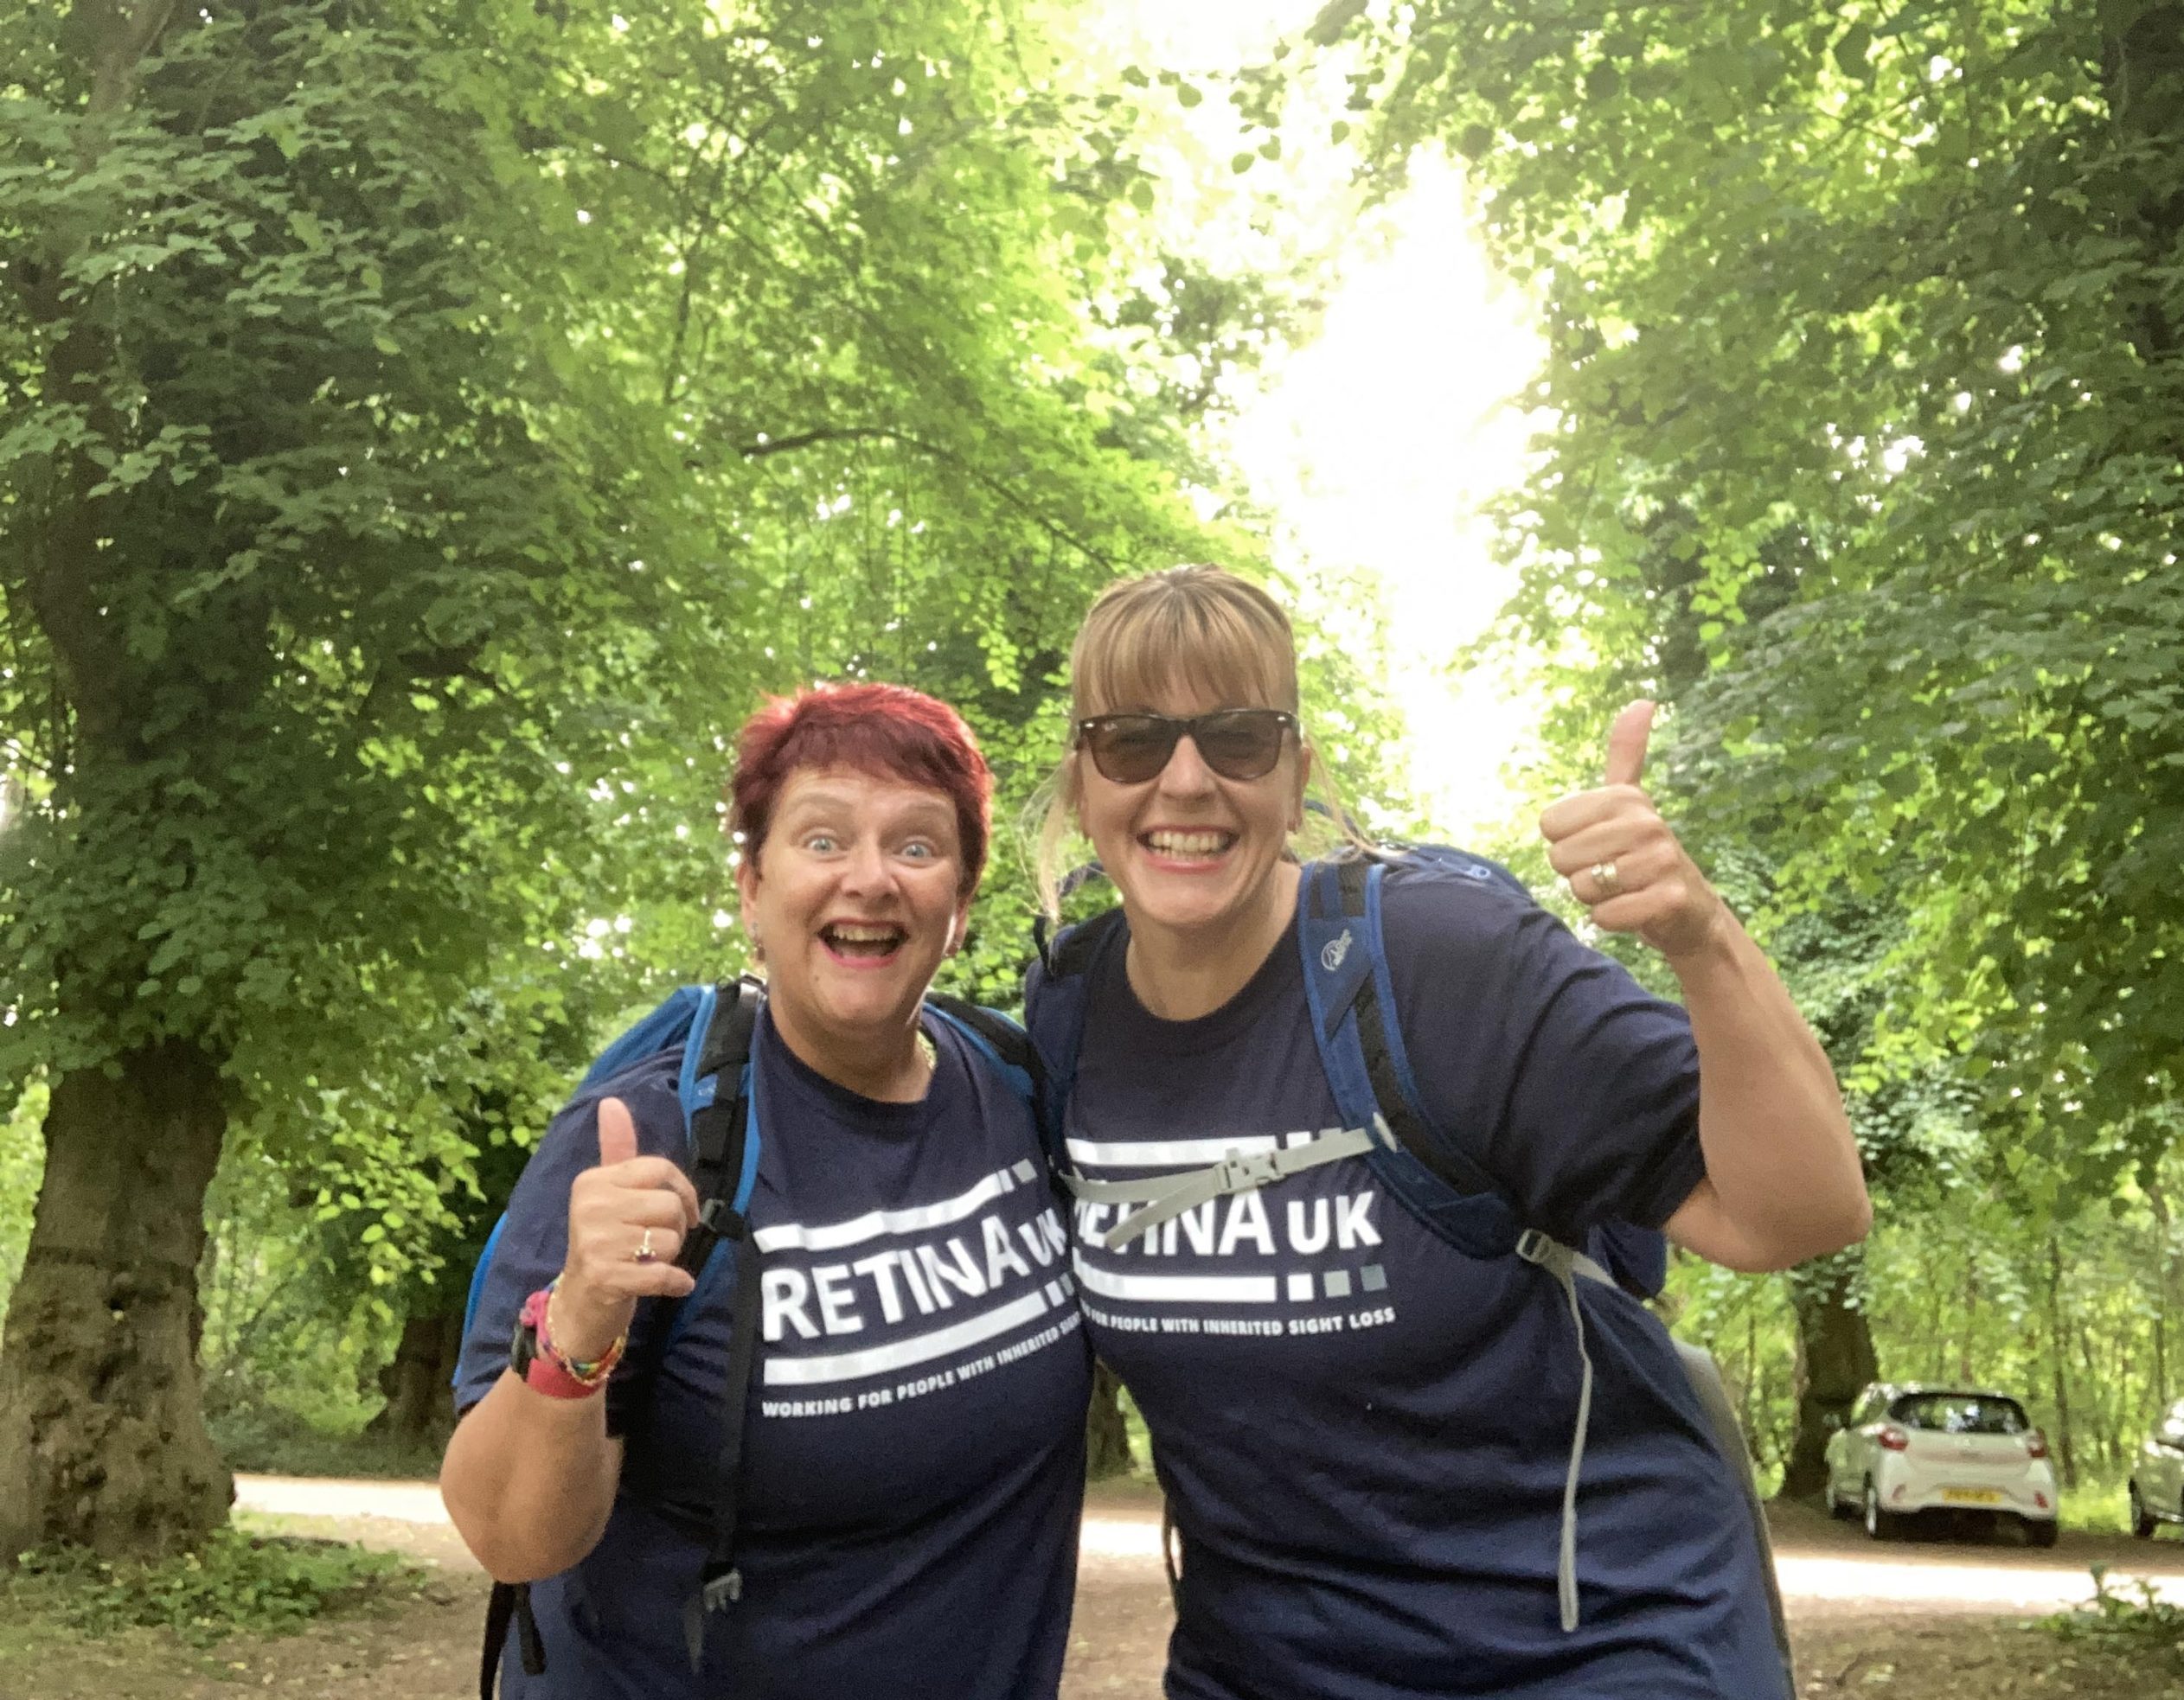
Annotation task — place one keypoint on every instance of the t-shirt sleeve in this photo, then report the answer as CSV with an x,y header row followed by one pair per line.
x,y
531,1243
1577,1088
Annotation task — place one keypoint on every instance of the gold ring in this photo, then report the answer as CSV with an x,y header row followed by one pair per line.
x,y
1603,876
645,1254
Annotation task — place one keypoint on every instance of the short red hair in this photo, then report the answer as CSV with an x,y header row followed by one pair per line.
x,y
888,729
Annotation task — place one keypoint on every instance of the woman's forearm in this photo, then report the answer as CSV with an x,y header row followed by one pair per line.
x,y
530,1481
1784,1180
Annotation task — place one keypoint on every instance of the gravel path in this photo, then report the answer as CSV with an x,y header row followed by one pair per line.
x,y
1823,1566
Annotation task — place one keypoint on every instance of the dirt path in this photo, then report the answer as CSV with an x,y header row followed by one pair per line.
x,y
1924,1620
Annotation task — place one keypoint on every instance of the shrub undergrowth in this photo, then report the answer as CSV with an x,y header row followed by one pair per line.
x,y
2136,1620
235,1583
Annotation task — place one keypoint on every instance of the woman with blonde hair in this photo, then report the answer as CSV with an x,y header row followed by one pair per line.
x,y
1337,1127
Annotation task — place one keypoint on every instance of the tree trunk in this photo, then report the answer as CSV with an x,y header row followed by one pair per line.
x,y
420,1383
1836,1359
1106,1435
2058,1364
102,1442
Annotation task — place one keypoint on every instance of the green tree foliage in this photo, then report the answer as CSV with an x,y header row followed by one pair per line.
x,y
1866,354
427,429
1865,372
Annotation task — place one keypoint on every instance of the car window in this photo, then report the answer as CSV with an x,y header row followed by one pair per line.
x,y
1960,1413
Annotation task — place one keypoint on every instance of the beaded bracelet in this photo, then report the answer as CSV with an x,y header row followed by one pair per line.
x,y
546,1367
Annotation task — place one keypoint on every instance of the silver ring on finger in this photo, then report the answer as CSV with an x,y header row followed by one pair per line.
x,y
1604,877
644,1253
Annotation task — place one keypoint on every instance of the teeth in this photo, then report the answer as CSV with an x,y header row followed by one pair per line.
x,y
853,934
1187,844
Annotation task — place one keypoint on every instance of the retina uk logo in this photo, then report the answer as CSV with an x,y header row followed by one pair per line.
x,y
1336,948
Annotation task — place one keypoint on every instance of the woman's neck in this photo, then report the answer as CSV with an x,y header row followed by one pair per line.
x,y
1180,975
892,1069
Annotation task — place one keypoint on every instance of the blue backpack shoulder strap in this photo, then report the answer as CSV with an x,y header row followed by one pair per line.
x,y
723,1124
1358,1028
1636,1257
1352,1000
685,1017
1465,863
682,1010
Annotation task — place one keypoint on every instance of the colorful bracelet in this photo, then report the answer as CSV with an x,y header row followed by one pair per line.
x,y
543,1366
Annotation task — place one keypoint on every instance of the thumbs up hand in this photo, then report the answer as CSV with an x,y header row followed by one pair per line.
x,y
1621,858
627,1220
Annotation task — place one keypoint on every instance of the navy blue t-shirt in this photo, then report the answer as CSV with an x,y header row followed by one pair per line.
x,y
1364,1432
913,1467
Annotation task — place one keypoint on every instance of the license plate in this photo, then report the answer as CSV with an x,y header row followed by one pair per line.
x,y
1971,1496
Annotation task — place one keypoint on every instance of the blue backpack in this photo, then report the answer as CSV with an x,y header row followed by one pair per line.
x,y
715,1026
1428,1168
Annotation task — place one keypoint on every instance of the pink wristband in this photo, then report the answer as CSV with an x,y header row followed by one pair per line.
x,y
544,1367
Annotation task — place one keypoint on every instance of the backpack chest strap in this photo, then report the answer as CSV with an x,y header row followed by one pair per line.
x,y
1165,1197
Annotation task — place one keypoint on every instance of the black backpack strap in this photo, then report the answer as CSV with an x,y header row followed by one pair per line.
x,y
1075,948
721,1582
719,1139
718,1131
509,1602
1002,1036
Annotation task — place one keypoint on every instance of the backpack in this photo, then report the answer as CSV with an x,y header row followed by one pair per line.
x,y
715,1026
1427,1169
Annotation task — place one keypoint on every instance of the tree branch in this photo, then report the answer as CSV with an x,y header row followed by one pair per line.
x,y
780,445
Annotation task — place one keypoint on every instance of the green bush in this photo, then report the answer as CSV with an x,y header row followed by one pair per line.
x,y
2138,1620
259,1584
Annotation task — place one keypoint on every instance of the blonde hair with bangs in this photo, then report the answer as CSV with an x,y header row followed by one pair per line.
x,y
1194,627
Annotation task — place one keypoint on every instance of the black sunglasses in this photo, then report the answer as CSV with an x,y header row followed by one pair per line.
x,y
1236,743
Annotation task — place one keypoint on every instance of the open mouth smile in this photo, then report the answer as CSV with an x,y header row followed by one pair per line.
x,y
866,944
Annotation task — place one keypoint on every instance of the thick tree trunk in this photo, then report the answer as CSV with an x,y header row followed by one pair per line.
x,y
418,1383
102,1442
1106,1436
1836,1359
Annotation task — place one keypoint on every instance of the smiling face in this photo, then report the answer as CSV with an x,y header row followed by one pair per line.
x,y
856,896
1194,854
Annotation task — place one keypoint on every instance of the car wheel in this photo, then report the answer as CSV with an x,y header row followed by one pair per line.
x,y
2041,1531
2141,1519
1881,1523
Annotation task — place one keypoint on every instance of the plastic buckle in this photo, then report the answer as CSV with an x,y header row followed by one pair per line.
x,y
724,1590
1239,1172
721,1217
1535,1247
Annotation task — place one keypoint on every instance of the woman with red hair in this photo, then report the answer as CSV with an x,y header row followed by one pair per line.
x,y
913,1458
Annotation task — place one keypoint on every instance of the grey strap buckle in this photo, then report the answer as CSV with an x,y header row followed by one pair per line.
x,y
1239,1172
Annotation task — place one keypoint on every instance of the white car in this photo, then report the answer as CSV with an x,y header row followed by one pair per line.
x,y
2157,1479
1911,1448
